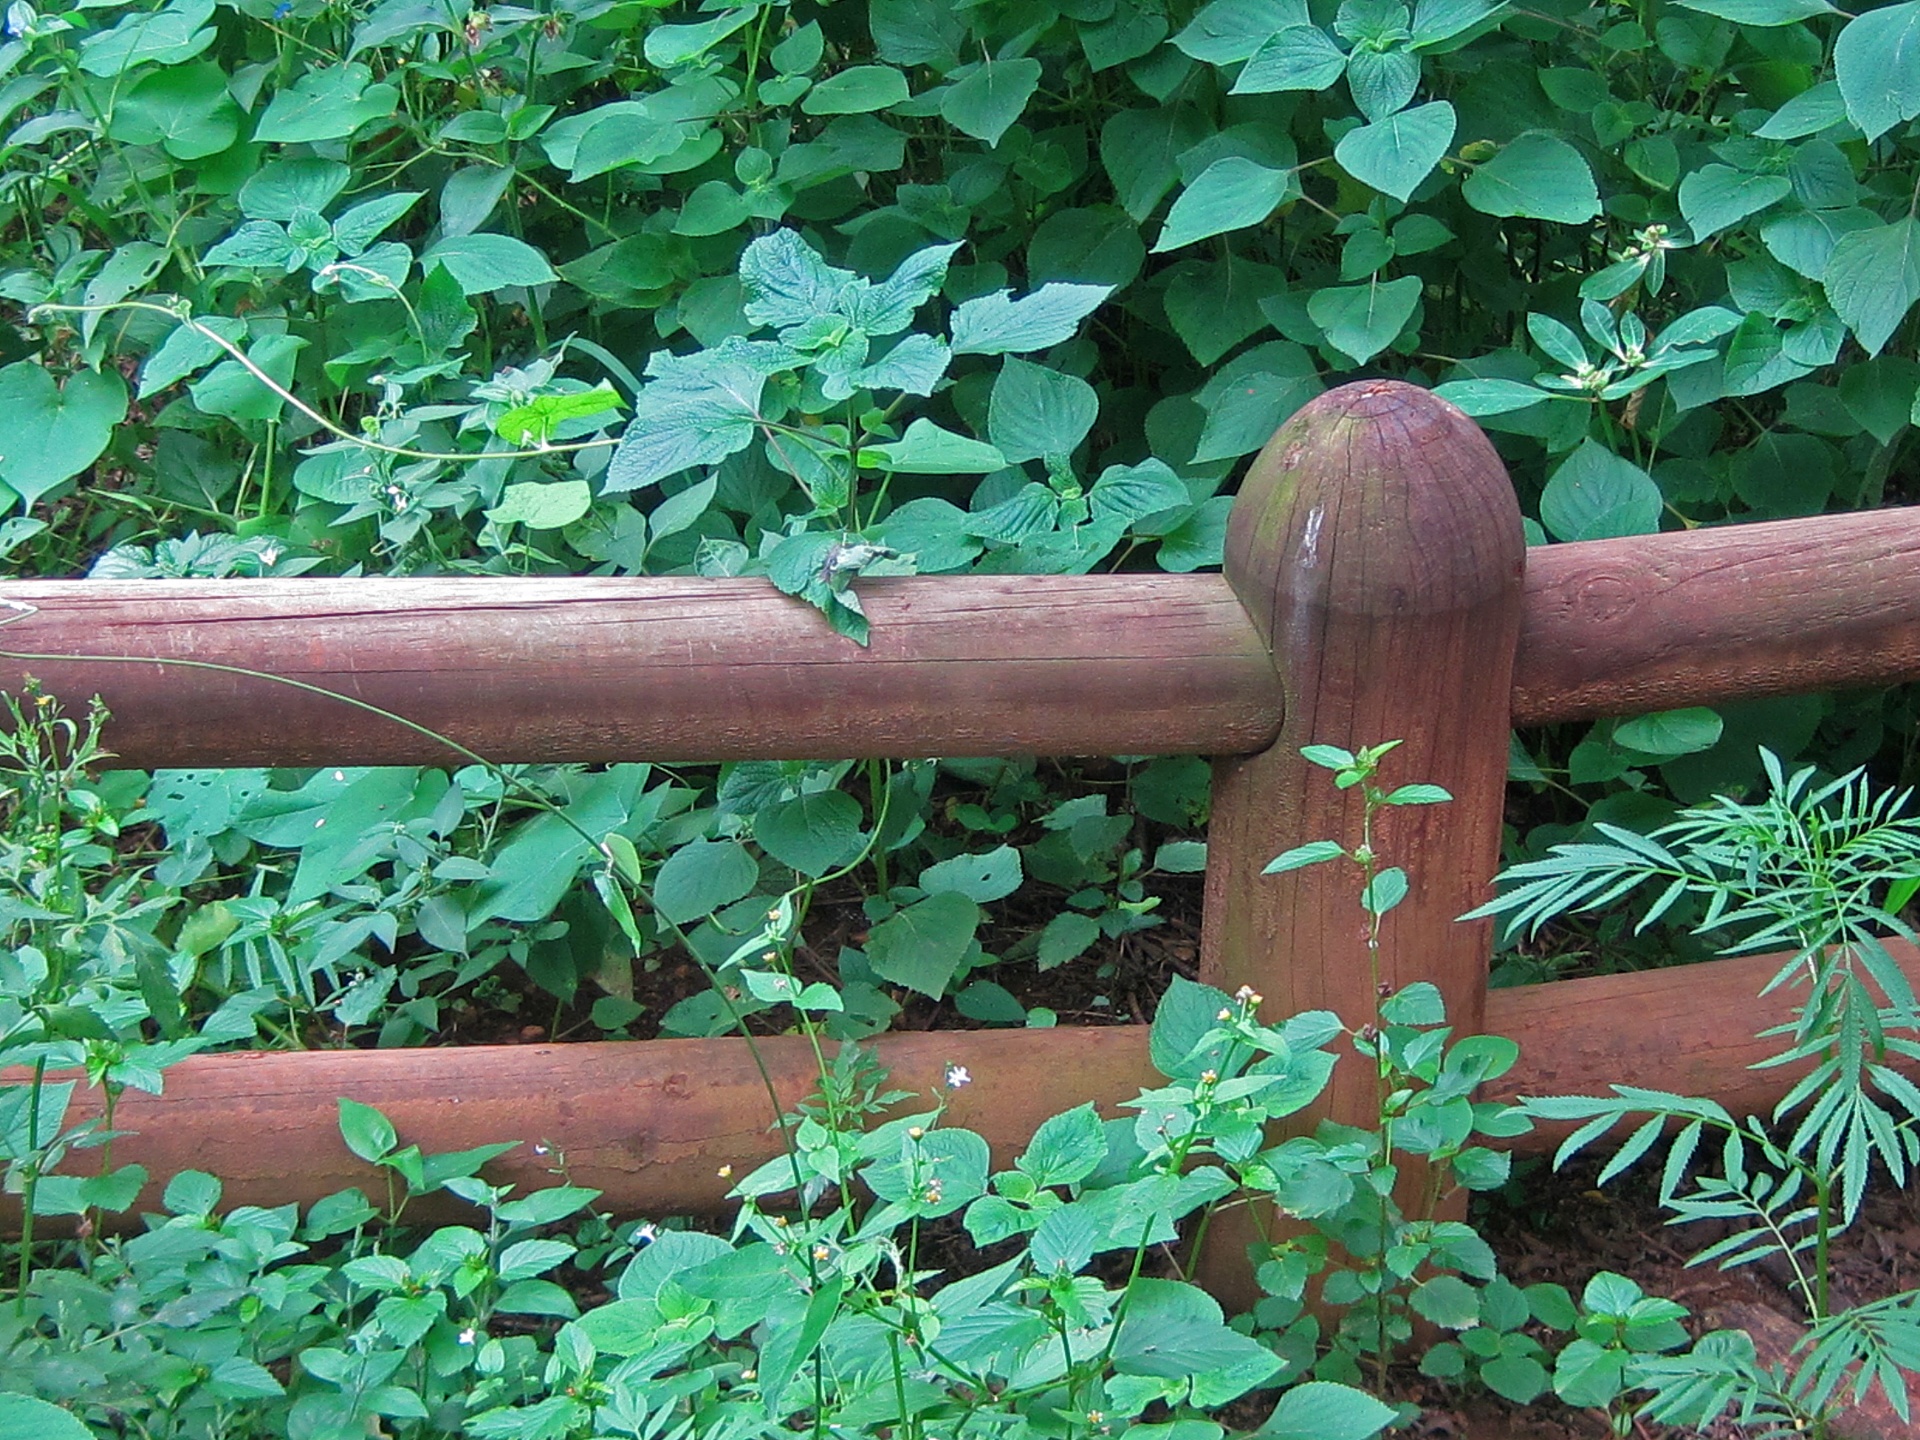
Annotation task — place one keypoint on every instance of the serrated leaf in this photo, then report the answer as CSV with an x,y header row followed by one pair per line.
x,y
543,505
997,324
703,876
926,449
922,946
1034,411
1873,278
696,410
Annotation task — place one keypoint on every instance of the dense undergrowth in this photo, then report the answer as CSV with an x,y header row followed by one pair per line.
x,y
816,291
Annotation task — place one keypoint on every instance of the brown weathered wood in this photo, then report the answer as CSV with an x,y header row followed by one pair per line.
x,y
652,1123
614,669
1656,622
1377,546
674,669
1688,1029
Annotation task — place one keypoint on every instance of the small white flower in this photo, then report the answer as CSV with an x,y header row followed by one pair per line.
x,y
957,1076
467,1335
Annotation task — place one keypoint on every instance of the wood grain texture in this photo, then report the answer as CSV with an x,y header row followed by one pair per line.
x,y
678,669
1656,622
652,1122
1377,546
673,669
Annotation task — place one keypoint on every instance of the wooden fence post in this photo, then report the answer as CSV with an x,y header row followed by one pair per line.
x,y
1377,546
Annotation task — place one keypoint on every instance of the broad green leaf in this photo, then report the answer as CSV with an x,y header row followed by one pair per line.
x,y
1132,492
362,224
1671,732
1437,21
232,390
1873,278
166,36
368,1134
926,449
184,109
811,833
1716,196
1588,1374
1759,12
543,505
1034,411
1446,1300
671,45
1216,305
1877,63
327,104
1229,194
996,324
856,90
1490,397
917,32
987,97
703,876
915,365
922,946
484,262
281,189
25,1417
1321,1410
1540,177
1394,155
786,281
992,875
1382,81
1066,937
544,857
55,432
1139,150
697,410
1807,113
1134,29
536,422
1362,320
1314,852
1066,1149
1301,57
1596,495
1230,30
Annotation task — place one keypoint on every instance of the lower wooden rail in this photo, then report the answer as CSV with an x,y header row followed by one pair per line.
x,y
655,1123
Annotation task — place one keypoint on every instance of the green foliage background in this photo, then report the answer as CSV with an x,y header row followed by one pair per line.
x,y
822,290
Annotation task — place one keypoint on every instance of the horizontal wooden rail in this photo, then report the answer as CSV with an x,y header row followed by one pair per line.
x,y
654,1123
684,669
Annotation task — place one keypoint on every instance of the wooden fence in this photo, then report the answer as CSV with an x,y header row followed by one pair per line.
x,y
1376,587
